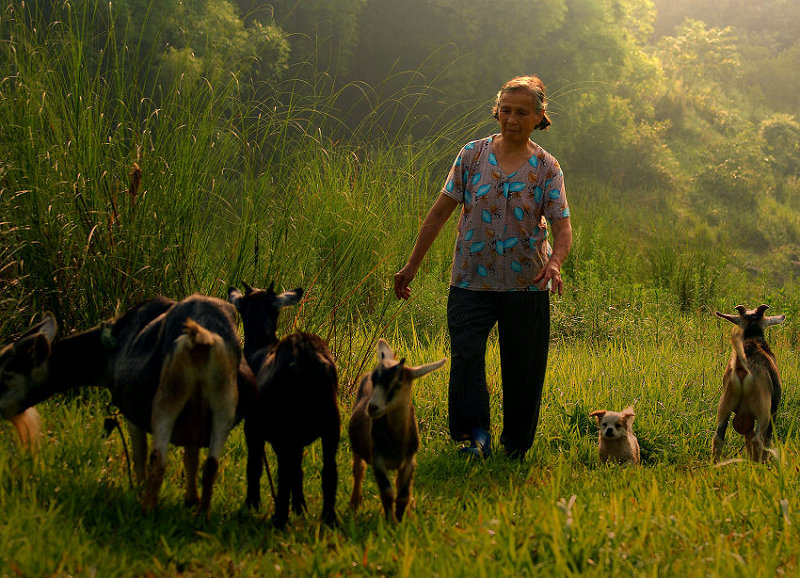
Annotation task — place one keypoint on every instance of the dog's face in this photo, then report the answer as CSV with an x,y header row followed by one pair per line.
x,y
614,425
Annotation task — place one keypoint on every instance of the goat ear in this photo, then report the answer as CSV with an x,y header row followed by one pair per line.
x,y
599,414
385,353
48,326
35,348
732,318
234,295
420,370
288,298
774,320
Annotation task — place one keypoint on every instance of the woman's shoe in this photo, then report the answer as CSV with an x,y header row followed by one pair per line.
x,y
480,446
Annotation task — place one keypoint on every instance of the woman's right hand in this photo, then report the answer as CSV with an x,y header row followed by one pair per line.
x,y
401,280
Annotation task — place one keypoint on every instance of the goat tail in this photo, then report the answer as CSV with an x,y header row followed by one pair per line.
x,y
740,359
197,340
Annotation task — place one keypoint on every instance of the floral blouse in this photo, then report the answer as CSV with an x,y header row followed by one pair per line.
x,y
502,233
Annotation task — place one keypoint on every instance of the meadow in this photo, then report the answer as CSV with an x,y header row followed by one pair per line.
x,y
71,510
236,186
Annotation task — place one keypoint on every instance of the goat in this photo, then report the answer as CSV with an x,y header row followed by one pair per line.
x,y
297,402
383,430
173,368
751,383
32,345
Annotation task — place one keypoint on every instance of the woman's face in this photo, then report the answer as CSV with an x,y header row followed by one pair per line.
x,y
517,115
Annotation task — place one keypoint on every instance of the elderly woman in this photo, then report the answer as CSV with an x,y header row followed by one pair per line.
x,y
509,189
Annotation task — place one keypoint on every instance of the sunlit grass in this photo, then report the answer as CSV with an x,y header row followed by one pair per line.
x,y
71,509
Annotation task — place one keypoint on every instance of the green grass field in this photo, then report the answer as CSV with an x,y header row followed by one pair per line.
x,y
71,511
236,186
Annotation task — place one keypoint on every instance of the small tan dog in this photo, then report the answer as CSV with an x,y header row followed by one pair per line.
x,y
615,433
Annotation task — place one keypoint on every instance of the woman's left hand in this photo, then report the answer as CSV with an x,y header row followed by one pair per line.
x,y
550,273
562,242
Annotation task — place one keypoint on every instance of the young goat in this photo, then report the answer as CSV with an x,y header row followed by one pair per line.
x,y
175,369
751,384
297,391
383,430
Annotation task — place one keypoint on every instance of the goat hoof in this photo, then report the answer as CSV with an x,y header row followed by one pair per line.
x,y
329,519
278,523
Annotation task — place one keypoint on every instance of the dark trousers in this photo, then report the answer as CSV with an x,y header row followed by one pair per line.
x,y
523,323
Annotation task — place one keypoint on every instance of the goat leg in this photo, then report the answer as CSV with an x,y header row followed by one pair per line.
x,y
330,477
298,498
763,434
359,468
255,455
289,463
727,404
385,487
191,459
155,477
405,474
139,451
210,467
222,419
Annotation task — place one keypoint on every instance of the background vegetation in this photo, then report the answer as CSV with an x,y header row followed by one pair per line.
x,y
302,143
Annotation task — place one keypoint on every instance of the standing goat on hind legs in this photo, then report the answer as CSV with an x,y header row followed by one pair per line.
x,y
297,402
751,383
383,430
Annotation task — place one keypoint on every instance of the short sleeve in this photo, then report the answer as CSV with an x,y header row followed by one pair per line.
x,y
454,184
555,196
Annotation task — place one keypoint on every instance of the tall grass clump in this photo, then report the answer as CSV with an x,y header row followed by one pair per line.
x,y
87,239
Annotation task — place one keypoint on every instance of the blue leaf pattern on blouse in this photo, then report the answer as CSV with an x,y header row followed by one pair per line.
x,y
482,190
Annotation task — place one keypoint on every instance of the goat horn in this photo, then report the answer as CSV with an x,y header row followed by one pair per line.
x,y
761,308
271,287
741,309
247,288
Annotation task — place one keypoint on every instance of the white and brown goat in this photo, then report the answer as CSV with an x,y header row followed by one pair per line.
x,y
173,368
383,430
751,383
296,405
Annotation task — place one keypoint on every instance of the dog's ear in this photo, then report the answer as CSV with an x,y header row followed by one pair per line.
x,y
599,414
628,416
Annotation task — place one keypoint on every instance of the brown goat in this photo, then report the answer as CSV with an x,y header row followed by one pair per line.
x,y
751,383
383,430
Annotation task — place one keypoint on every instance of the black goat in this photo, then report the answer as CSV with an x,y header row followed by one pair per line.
x,y
297,402
173,368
